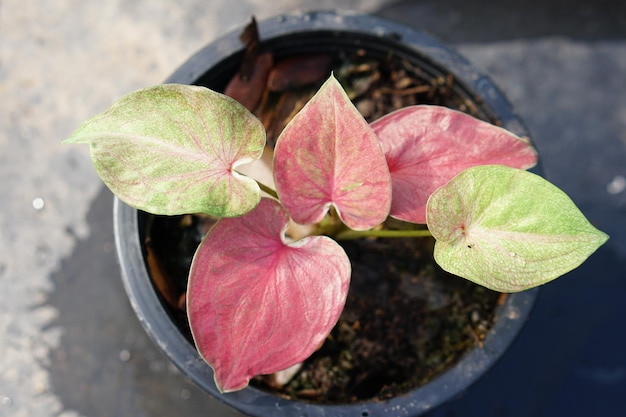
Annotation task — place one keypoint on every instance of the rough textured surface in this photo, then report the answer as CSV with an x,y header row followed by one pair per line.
x,y
69,342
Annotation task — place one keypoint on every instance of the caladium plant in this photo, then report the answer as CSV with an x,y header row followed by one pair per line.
x,y
269,280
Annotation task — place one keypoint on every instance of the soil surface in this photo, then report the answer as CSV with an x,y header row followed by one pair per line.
x,y
405,320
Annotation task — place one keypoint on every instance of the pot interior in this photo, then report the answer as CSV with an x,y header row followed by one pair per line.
x,y
399,297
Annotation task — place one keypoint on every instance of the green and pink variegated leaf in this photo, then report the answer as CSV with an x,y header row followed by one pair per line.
x,y
258,305
426,146
508,229
173,149
328,155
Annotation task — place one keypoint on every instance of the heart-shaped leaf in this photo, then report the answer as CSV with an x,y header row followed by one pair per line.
x,y
329,155
258,305
508,229
173,149
426,146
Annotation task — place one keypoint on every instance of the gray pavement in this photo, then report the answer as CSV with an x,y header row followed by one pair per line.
x,y
69,342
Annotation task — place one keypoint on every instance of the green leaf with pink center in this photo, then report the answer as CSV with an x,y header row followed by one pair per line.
x,y
257,304
329,156
173,149
508,229
426,146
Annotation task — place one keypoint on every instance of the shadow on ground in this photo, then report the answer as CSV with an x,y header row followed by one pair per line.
x,y
106,365
461,21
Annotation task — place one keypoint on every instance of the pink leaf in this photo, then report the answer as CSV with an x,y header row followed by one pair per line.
x,y
426,146
258,305
329,155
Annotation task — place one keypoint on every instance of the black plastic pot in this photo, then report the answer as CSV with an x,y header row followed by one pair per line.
x,y
292,34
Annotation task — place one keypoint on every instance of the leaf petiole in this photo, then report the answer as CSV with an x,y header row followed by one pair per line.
x,y
356,234
267,189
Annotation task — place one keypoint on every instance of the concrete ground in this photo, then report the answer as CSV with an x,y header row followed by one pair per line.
x,y
70,344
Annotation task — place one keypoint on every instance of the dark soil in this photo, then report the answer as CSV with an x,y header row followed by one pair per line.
x,y
405,319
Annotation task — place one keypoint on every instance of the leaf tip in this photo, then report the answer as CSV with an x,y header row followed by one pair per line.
x,y
229,384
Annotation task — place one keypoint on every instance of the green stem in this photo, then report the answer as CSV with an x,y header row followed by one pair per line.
x,y
262,186
267,189
356,234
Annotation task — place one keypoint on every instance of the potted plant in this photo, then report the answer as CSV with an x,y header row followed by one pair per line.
x,y
269,280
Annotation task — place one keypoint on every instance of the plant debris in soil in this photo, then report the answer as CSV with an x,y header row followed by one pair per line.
x,y
405,320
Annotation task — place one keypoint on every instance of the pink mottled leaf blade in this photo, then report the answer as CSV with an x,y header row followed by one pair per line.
x,y
426,146
328,155
258,305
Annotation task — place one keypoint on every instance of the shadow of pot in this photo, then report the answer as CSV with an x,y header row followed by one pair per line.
x,y
316,32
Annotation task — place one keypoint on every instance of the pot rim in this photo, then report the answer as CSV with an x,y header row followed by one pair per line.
x,y
510,317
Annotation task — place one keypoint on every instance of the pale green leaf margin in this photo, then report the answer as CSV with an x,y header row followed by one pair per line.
x,y
508,229
173,149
